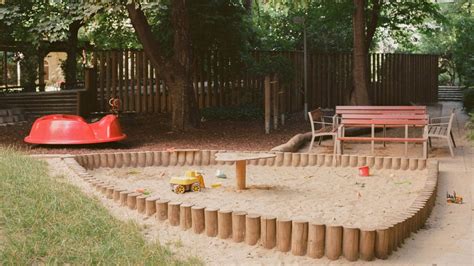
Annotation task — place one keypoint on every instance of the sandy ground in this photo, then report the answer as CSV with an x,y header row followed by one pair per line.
x,y
445,240
323,194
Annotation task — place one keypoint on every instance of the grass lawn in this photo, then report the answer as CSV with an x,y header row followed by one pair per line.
x,y
43,219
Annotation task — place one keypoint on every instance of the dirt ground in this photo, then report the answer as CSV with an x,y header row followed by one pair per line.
x,y
152,132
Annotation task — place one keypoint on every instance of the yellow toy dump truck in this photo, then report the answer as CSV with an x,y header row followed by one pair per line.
x,y
192,181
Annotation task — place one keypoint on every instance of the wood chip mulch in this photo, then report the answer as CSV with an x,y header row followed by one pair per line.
x,y
153,133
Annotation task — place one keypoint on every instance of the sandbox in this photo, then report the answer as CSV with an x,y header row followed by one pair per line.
x,y
309,204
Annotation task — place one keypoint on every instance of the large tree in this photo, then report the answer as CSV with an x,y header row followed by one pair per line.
x,y
370,15
175,69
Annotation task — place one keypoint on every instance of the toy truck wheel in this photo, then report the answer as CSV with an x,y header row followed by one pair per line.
x,y
179,189
196,187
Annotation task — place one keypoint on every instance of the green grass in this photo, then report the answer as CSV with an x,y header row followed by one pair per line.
x,y
43,219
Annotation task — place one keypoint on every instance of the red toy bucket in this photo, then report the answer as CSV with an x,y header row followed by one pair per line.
x,y
364,171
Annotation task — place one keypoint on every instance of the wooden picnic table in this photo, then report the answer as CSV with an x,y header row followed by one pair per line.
x,y
240,159
382,116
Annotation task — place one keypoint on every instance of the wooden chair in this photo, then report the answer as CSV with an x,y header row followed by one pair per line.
x,y
328,127
442,130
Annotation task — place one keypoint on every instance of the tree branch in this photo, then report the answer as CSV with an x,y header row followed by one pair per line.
x,y
372,23
144,34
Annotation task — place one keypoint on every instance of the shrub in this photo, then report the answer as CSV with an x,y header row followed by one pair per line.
x,y
468,99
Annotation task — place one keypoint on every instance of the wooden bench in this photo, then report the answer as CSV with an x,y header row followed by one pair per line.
x,y
382,117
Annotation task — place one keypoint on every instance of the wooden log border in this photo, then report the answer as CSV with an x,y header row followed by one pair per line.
x,y
363,243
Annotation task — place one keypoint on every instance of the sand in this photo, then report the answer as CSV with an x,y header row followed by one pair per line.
x,y
323,194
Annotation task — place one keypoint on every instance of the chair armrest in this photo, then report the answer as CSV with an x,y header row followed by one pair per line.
x,y
439,118
438,124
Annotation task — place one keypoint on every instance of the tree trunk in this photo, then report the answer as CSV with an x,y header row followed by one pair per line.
x,y
177,69
71,63
360,95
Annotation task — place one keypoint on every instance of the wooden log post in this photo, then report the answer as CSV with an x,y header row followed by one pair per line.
x,y
396,163
133,159
238,226
197,158
165,158
268,231
382,243
329,160
162,209
123,197
206,157
283,230
252,229
295,159
149,158
312,159
127,160
333,241
210,220
185,216
350,243
345,160
224,221
299,237
117,193
173,213
132,200
367,244
197,219
321,159
413,164
118,159
316,237
404,163
421,164
173,161
110,192
378,163
387,162
370,161
181,155
362,161
141,205
110,160
353,160
240,167
150,205
157,158
103,160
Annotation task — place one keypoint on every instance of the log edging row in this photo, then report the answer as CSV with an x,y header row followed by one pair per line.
x,y
207,157
300,237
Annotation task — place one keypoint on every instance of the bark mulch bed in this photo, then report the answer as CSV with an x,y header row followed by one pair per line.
x,y
152,132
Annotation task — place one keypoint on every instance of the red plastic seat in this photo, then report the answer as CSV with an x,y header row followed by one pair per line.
x,y
73,129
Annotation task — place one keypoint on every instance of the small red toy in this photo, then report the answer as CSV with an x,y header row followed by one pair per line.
x,y
73,129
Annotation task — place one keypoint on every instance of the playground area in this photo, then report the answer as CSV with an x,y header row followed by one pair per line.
x,y
438,240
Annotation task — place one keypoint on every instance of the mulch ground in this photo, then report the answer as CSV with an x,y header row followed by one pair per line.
x,y
153,133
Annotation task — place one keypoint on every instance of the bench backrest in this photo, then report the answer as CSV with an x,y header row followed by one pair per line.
x,y
381,110
383,115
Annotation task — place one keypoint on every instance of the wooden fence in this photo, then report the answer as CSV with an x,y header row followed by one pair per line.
x,y
395,79
219,81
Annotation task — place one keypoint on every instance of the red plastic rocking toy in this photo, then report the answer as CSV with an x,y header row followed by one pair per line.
x,y
72,129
